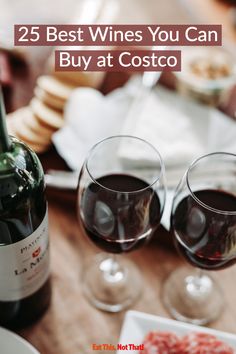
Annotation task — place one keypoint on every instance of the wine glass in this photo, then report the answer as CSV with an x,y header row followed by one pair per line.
x,y
121,196
203,222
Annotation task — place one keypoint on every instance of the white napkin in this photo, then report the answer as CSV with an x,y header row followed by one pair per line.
x,y
90,117
158,120
179,128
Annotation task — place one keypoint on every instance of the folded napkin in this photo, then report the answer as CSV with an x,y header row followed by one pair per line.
x,y
158,120
179,128
90,117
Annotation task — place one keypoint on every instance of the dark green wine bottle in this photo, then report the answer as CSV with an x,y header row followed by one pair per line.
x,y
25,289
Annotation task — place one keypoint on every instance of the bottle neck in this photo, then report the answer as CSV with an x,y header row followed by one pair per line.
x,y
5,143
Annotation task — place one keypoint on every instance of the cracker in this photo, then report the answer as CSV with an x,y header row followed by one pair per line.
x,y
81,79
49,99
24,132
26,137
78,78
55,87
47,115
31,120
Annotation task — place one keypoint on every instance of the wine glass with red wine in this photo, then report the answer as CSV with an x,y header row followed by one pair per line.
x,y
121,197
203,222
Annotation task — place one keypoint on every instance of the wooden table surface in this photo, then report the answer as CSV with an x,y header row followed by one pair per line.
x,y
72,325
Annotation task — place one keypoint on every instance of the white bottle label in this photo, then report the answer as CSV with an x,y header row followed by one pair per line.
x,y
24,265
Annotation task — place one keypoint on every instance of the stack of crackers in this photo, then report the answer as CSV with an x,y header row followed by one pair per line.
x,y
36,123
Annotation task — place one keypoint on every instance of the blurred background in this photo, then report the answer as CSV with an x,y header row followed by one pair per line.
x,y
132,11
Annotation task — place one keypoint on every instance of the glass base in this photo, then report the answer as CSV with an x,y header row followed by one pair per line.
x,y
111,285
192,297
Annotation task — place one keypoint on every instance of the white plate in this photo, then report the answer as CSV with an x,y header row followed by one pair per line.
x,y
12,343
137,324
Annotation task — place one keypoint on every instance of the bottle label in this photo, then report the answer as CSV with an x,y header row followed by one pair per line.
x,y
24,265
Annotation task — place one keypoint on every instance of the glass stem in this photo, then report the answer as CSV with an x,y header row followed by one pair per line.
x,y
198,284
198,278
197,281
114,264
112,270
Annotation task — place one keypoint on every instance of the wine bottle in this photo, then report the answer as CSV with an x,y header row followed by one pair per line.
x,y
25,289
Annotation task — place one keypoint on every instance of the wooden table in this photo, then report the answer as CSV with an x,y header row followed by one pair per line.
x,y
71,324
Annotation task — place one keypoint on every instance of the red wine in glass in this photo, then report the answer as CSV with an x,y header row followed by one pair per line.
x,y
203,221
206,239
122,221
121,197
